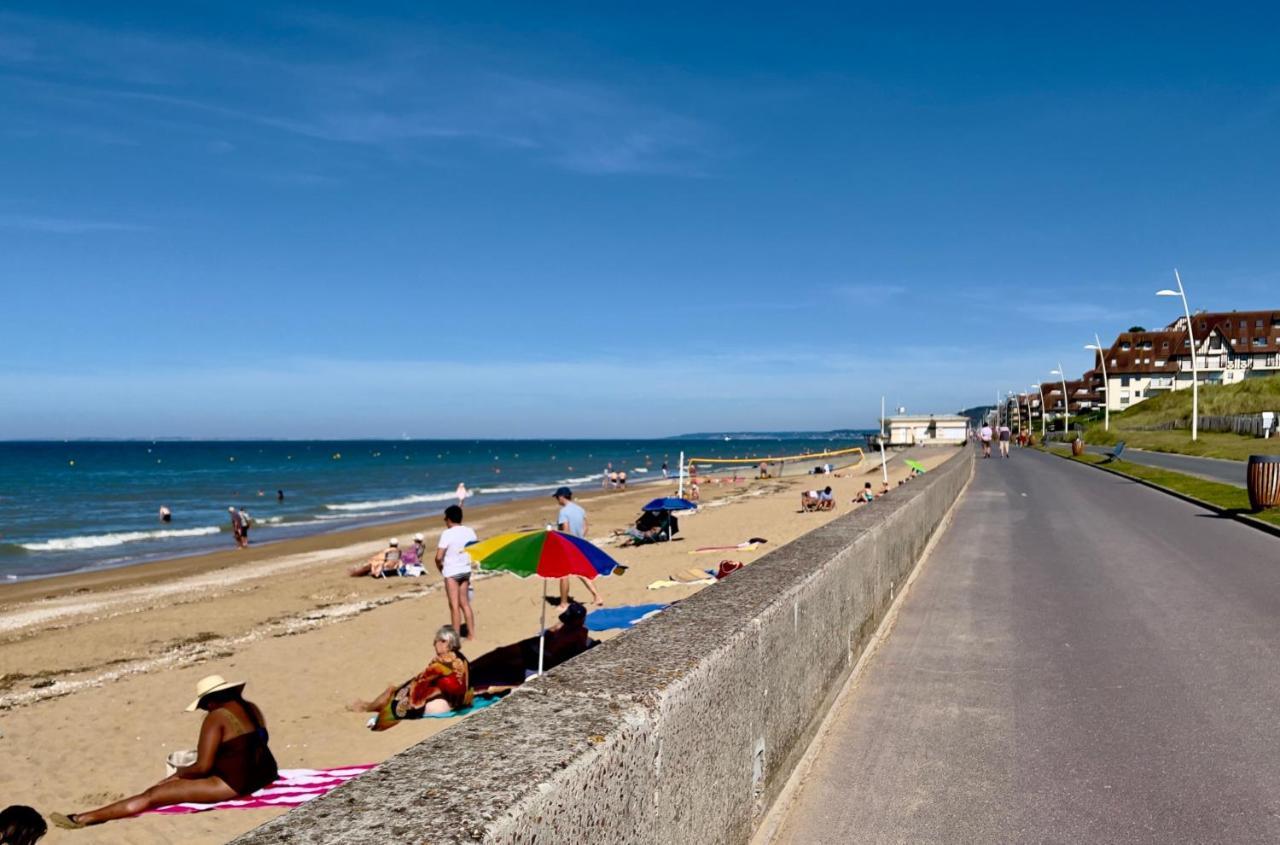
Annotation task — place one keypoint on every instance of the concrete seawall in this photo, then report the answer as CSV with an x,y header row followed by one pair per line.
x,y
684,730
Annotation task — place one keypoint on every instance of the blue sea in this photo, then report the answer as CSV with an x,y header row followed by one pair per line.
x,y
74,506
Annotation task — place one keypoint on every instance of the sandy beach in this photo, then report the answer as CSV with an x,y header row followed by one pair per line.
x,y
96,668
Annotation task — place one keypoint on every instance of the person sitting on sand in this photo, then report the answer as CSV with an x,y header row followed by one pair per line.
x,y
21,825
866,495
232,759
380,564
809,500
826,501
443,686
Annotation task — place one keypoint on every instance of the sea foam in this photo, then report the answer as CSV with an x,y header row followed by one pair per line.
x,y
100,541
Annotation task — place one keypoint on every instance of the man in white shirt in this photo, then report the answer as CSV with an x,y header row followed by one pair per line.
x,y
985,436
455,565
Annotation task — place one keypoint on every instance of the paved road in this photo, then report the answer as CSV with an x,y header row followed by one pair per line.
x,y
1082,659
1214,469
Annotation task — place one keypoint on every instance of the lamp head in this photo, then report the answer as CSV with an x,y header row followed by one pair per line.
x,y
1167,292
1055,372
1093,347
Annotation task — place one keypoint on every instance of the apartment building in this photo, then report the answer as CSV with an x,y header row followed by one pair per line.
x,y
1230,347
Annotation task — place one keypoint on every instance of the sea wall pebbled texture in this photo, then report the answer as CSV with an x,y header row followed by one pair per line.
x,y
684,730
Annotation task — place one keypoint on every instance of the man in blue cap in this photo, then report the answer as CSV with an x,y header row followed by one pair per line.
x,y
572,519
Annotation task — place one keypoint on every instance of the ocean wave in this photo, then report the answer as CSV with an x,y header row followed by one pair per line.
x,y
391,503
100,541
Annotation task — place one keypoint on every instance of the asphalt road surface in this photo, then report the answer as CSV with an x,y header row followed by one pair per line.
x,y
1082,659
1214,469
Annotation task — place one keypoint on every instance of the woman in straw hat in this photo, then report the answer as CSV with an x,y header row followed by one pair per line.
x,y
232,759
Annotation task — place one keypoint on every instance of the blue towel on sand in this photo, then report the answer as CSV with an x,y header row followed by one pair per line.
x,y
621,617
478,702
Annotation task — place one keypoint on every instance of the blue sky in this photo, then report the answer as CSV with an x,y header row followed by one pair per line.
x,y
481,219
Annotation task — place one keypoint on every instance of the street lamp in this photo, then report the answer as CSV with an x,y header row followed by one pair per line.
x,y
1195,391
1041,391
1106,385
1066,400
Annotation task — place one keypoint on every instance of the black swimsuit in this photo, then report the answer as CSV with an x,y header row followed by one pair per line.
x,y
244,762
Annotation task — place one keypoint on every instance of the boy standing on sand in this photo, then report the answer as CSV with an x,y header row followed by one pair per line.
x,y
572,519
455,565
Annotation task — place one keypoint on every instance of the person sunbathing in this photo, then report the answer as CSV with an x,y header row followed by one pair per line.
x,y
232,759
509,665
380,564
443,686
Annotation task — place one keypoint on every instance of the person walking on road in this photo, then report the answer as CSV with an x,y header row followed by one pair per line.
x,y
1005,436
572,519
985,436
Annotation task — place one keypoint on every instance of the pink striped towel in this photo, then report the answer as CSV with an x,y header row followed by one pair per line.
x,y
294,787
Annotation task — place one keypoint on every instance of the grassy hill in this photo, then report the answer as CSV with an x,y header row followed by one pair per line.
x,y
1248,397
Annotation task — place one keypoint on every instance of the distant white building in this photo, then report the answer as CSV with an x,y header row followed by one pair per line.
x,y
927,429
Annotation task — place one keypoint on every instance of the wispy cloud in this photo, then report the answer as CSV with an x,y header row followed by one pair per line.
x,y
390,90
65,226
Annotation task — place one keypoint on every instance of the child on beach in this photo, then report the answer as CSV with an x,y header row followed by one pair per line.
x,y
454,564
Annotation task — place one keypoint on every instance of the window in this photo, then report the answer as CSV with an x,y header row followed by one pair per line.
x,y
1258,323
1146,345
1113,362
1124,381
1259,341
1244,324
1164,345
1160,362
1124,346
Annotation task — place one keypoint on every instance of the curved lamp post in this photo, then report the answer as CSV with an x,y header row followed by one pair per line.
x,y
1106,385
1040,390
1195,391
1066,400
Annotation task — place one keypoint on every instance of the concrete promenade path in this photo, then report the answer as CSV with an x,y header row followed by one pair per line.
x,y
1081,659
1214,469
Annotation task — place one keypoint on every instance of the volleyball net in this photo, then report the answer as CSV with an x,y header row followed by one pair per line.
x,y
774,466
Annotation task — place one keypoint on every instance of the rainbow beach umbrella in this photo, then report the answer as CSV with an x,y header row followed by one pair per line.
x,y
548,554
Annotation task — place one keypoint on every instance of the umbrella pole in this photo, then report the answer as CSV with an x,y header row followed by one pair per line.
x,y
542,636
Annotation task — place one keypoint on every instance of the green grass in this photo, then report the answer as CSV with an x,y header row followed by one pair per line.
x,y
1227,496
1210,444
1248,397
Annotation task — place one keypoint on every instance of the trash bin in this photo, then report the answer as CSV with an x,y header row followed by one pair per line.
x,y
1263,474
1077,447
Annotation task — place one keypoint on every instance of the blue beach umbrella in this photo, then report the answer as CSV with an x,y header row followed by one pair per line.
x,y
670,503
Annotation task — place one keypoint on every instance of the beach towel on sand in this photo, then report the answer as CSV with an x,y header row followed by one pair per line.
x,y
293,787
621,617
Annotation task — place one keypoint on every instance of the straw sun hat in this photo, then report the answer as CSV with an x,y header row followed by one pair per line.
x,y
209,685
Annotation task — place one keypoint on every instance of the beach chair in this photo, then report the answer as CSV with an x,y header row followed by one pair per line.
x,y
1114,454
